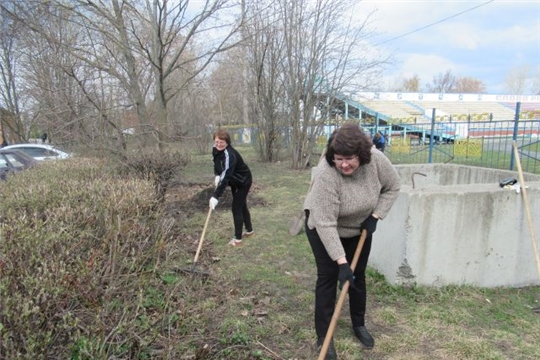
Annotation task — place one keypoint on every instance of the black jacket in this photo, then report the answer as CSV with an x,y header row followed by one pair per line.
x,y
231,168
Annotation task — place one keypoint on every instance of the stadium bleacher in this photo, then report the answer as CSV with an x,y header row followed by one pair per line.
x,y
486,110
395,109
418,107
529,110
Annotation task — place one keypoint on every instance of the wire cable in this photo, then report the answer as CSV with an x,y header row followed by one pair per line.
x,y
435,23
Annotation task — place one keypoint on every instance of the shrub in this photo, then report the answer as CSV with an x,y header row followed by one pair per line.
x,y
80,256
158,166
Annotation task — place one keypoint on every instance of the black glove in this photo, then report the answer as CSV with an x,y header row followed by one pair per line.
x,y
370,225
345,273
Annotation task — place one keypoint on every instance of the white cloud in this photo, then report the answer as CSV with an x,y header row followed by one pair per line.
x,y
429,37
426,66
460,36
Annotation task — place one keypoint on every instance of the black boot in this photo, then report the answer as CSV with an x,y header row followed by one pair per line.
x,y
331,353
363,335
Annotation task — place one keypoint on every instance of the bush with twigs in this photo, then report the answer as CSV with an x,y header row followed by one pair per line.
x,y
85,266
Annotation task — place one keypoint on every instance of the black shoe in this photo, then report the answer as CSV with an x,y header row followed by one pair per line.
x,y
330,353
363,335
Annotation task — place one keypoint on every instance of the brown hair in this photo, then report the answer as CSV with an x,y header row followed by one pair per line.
x,y
348,140
222,135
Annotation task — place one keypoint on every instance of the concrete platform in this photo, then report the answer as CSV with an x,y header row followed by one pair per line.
x,y
456,225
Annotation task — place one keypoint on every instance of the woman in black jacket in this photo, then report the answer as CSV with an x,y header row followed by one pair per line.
x,y
230,169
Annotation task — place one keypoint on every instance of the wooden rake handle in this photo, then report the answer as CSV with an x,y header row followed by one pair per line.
x,y
202,236
341,300
527,208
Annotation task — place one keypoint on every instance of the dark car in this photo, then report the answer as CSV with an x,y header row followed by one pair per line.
x,y
12,161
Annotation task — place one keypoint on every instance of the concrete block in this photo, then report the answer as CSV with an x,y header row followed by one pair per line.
x,y
456,225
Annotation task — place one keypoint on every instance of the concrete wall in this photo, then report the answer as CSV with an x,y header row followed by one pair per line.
x,y
450,174
458,226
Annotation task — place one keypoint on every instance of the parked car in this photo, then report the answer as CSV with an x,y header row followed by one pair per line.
x,y
12,161
40,151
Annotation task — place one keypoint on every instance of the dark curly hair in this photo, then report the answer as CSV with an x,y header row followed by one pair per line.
x,y
348,140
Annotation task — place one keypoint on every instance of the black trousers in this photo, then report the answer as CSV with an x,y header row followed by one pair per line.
x,y
240,211
327,281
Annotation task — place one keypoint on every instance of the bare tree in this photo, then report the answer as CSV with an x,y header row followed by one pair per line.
x,y
191,115
173,33
68,72
443,83
411,84
516,80
264,44
150,50
226,88
161,38
535,88
11,120
469,85
304,54
54,77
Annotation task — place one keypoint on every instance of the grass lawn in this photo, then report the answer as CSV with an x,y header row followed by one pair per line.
x,y
269,287
92,266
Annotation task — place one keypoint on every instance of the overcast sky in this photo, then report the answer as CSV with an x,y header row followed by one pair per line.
x,y
485,42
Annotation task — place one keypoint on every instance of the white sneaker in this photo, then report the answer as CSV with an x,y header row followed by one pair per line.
x,y
235,242
248,233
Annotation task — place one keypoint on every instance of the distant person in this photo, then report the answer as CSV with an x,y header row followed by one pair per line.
x,y
4,142
44,138
379,141
354,188
231,170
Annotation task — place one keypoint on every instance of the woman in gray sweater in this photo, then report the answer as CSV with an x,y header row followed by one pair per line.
x,y
354,188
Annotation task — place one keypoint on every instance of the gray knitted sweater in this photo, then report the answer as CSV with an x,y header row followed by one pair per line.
x,y
339,204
